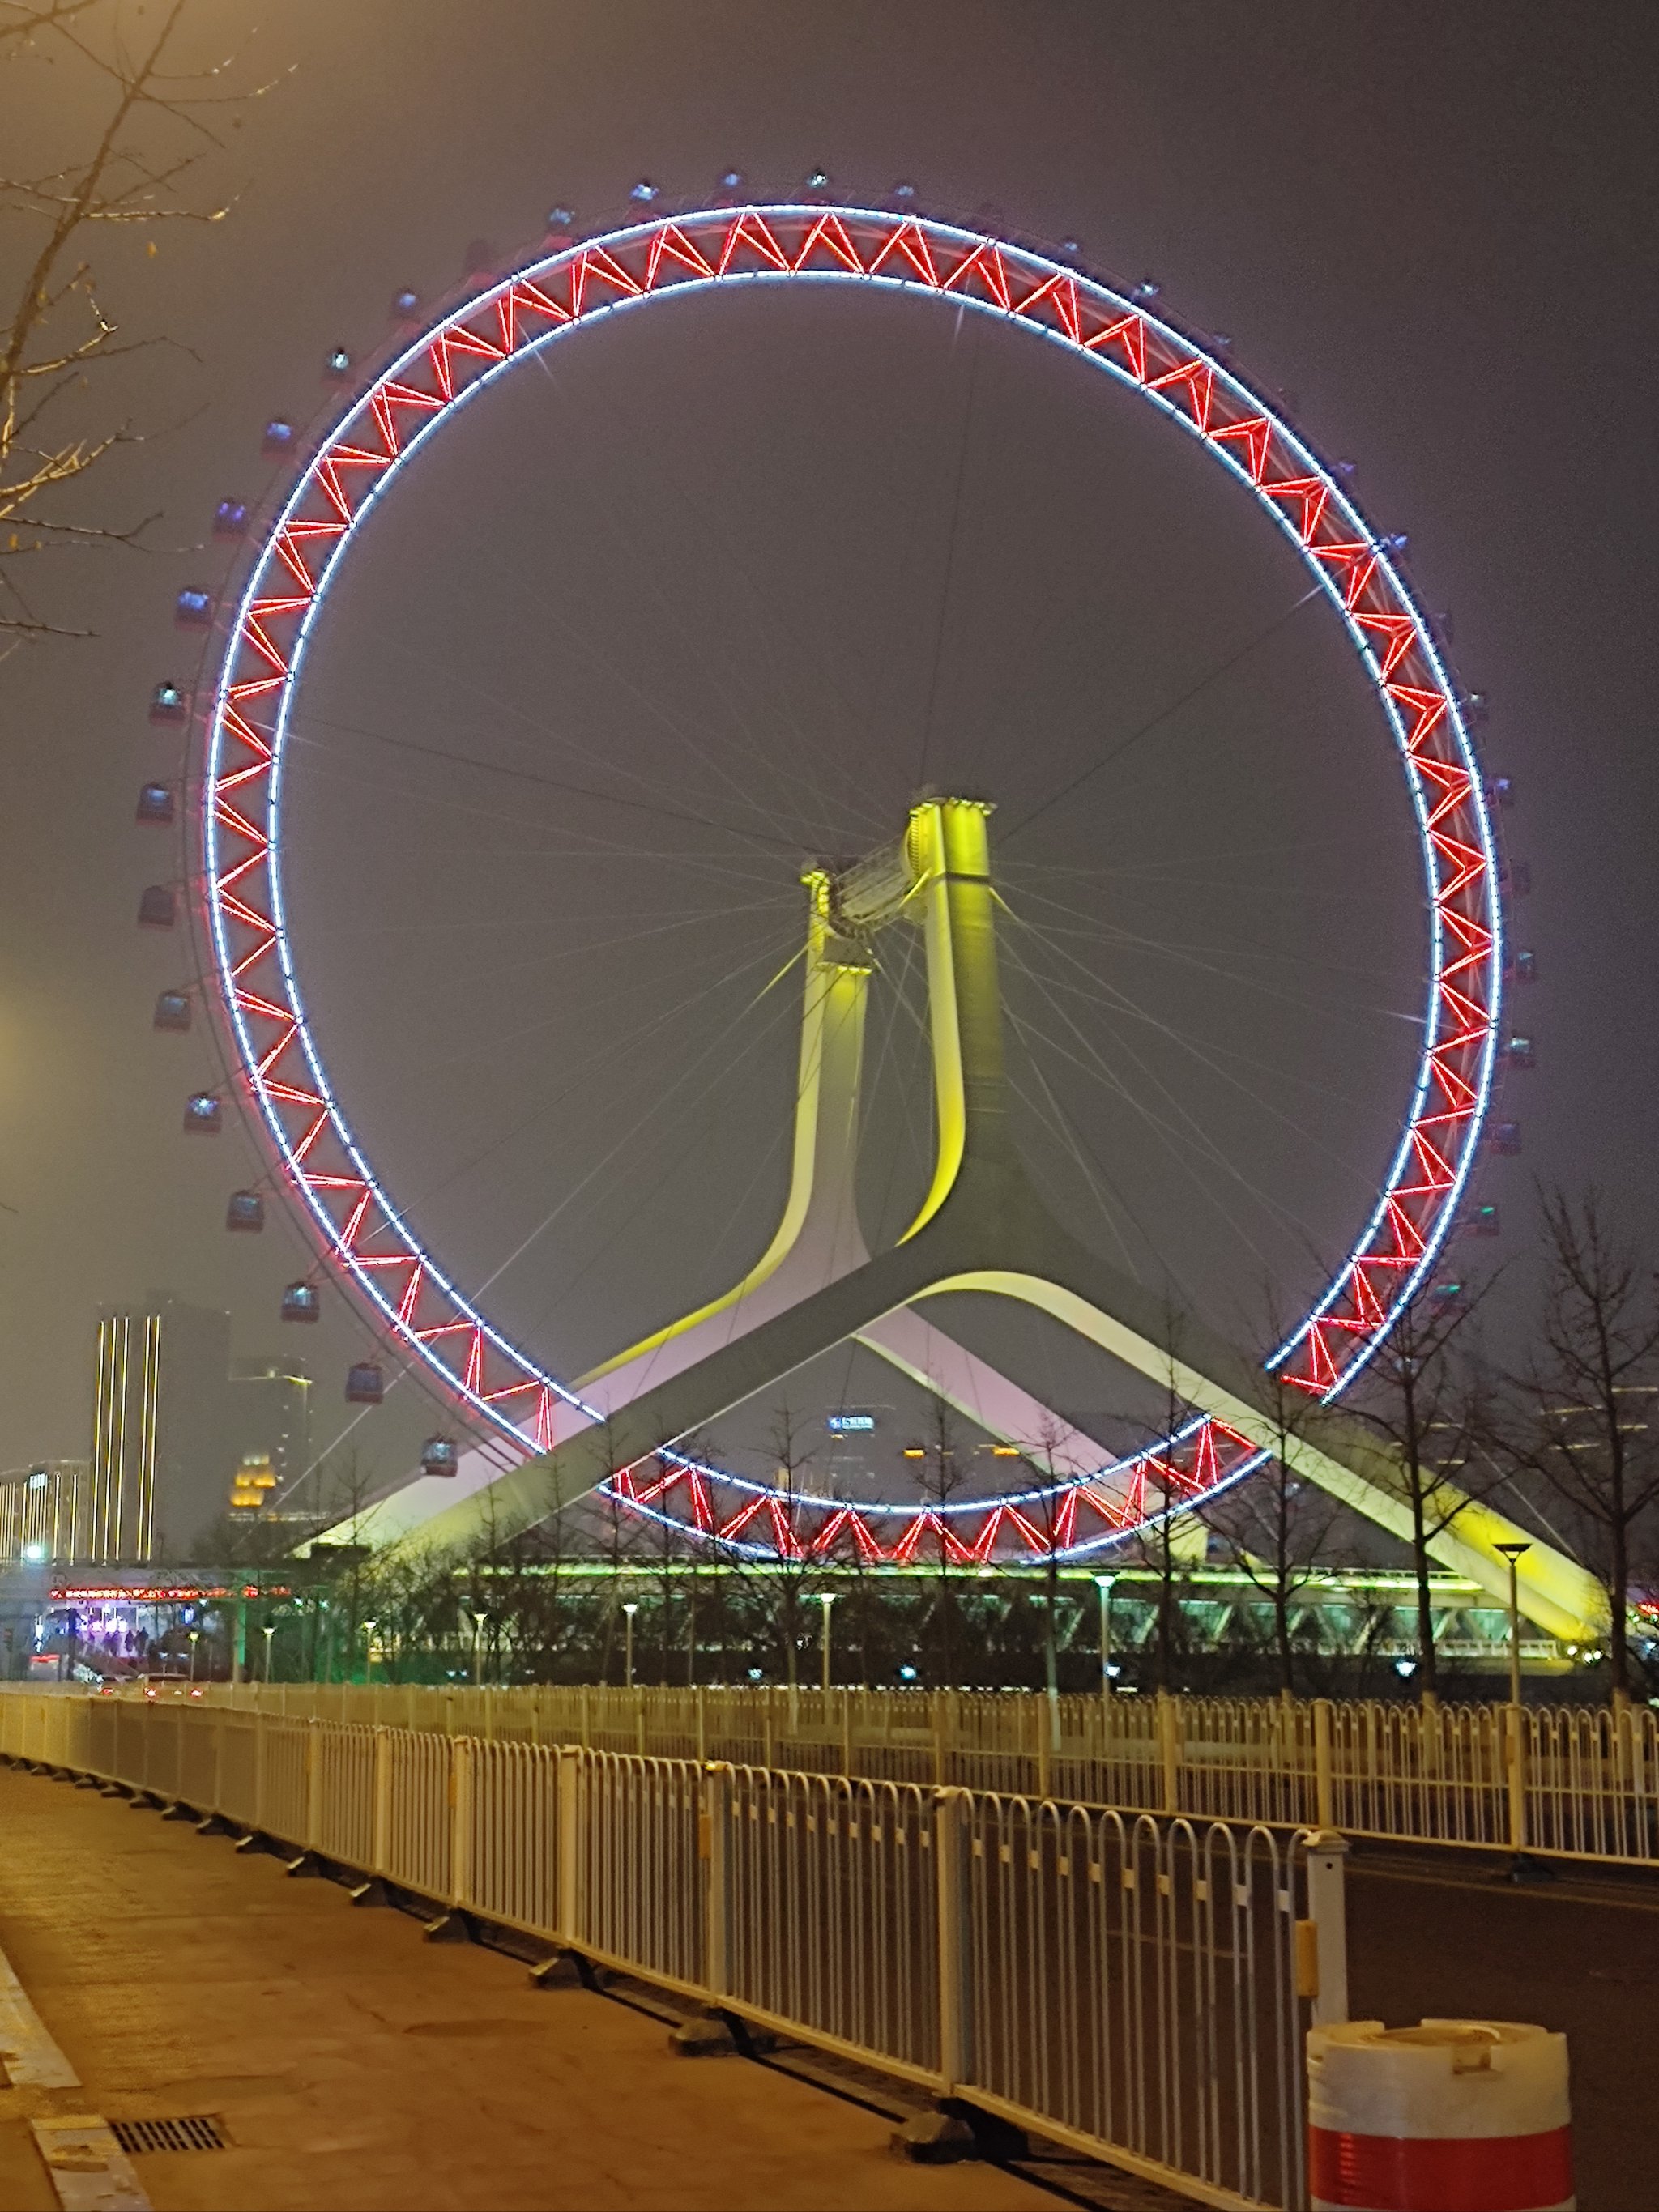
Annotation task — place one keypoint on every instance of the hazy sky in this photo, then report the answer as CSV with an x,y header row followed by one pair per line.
x,y
1434,227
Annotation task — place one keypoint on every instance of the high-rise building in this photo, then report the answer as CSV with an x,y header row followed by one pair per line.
x,y
161,1450
49,1511
271,1416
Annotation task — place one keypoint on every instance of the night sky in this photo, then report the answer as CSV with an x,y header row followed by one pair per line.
x,y
770,562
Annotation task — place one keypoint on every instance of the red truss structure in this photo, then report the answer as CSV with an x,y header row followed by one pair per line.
x,y
280,1075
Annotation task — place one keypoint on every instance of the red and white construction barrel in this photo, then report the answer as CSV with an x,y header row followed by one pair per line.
x,y
1450,2115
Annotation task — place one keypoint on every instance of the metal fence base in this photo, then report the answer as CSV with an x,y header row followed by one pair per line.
x,y
451,1927
717,2034
259,1845
941,2137
565,1970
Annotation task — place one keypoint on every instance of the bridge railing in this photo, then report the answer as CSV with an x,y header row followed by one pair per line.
x,y
1579,1781
1135,1986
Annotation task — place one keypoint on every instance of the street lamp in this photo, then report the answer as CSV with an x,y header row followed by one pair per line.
x,y
369,1652
268,1631
1512,1553
1104,1584
629,1610
826,1599
478,1619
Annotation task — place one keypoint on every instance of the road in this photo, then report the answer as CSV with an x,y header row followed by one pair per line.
x,y
1435,1933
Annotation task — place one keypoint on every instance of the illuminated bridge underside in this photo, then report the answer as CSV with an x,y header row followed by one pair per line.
x,y
980,1228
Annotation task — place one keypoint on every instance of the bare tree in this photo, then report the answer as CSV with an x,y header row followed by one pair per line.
x,y
1275,1527
1422,1397
940,1474
1590,1395
158,125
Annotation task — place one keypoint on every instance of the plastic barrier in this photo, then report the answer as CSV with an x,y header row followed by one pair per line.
x,y
1450,2115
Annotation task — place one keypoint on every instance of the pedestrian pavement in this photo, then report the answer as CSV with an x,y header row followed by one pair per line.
x,y
356,2068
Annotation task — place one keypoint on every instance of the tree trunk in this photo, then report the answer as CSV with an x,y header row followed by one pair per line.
x,y
1430,1685
1618,1604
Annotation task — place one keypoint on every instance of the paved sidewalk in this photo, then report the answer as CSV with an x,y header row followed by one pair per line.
x,y
361,2070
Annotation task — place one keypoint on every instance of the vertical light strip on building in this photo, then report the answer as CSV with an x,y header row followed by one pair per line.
x,y
152,1389
97,1444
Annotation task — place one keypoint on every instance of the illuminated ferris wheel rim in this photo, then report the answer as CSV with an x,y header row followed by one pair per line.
x,y
298,556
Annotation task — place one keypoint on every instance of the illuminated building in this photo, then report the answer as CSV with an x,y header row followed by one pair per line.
x,y
159,1429
48,1511
270,1402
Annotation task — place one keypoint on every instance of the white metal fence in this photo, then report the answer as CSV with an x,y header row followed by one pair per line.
x,y
1136,1986
1578,1781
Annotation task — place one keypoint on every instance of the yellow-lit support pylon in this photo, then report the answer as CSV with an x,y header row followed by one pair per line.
x,y
981,1227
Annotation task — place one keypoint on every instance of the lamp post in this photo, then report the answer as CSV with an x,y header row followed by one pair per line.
x,y
1104,1584
629,1610
1516,1753
194,1638
268,1631
826,1599
478,1619
369,1652
1512,1553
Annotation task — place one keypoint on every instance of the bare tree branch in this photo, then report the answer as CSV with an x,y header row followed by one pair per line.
x,y
55,336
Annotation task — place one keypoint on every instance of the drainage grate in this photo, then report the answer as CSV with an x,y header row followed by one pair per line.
x,y
199,2134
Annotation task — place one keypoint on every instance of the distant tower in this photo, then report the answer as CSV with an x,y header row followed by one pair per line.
x,y
161,1443
269,1403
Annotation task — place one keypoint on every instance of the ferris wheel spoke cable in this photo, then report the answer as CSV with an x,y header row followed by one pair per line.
x,y
1113,999
1283,1216
1030,1035
1096,928
570,1283
942,620
679,724
610,996
579,848
1047,1113
584,1073
765,620
657,1102
565,788
1164,714
761,754
1348,1012
1195,1139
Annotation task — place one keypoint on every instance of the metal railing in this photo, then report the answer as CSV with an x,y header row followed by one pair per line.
x,y
1580,1782
1134,1986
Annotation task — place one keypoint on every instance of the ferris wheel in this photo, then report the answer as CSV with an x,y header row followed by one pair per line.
x,y
245,712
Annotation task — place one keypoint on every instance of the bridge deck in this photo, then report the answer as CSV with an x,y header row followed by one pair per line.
x,y
355,2067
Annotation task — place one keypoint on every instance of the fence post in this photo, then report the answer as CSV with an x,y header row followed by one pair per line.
x,y
1328,1921
382,1844
952,1811
846,1733
313,1787
639,1719
460,1821
1169,1739
702,1727
1324,1782
714,1847
942,1705
1515,1760
572,1914
1047,1716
